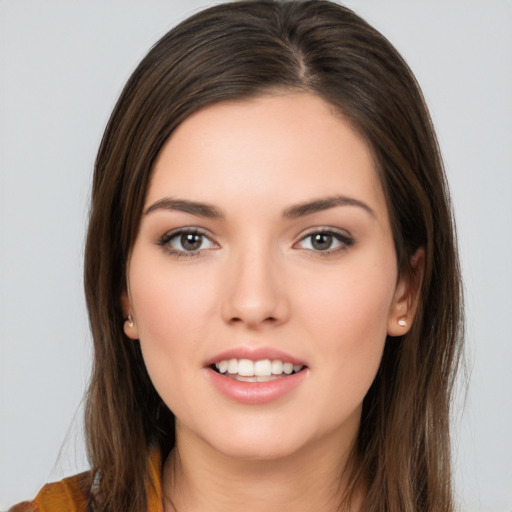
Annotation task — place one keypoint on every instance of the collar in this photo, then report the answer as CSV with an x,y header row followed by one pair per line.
x,y
154,483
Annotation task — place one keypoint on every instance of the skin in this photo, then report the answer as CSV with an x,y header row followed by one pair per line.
x,y
258,281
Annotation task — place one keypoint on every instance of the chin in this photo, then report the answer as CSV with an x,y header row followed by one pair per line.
x,y
261,441
257,451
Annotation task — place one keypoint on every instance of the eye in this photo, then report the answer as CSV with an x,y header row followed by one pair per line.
x,y
326,241
186,242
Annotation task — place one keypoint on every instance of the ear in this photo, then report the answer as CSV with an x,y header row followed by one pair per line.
x,y
130,324
406,298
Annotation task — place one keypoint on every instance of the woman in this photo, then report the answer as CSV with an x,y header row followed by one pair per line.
x,y
271,257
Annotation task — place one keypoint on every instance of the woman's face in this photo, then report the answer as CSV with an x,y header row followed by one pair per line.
x,y
265,244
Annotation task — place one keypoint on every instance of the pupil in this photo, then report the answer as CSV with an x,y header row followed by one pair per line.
x,y
322,241
191,241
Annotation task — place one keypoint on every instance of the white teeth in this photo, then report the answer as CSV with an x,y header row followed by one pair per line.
x,y
277,367
263,368
233,366
243,378
245,368
256,371
266,378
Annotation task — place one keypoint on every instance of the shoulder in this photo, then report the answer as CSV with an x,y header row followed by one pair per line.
x,y
69,495
72,494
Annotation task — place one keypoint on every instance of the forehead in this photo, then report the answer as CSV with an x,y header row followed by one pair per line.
x,y
275,149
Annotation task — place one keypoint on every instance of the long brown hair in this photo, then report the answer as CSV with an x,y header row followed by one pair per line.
x,y
242,50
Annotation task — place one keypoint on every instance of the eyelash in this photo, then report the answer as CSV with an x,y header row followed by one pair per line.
x,y
344,239
166,239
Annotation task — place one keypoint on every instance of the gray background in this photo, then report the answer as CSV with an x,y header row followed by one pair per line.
x,y
62,66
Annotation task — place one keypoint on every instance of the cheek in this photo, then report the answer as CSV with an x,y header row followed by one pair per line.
x,y
170,304
171,312
350,301
346,312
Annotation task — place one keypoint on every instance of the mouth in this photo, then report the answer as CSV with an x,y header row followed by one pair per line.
x,y
262,370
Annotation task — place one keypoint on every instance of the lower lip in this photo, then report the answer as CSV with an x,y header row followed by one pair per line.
x,y
255,393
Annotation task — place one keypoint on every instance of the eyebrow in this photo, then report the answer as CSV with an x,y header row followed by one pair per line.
x,y
182,205
292,212
318,205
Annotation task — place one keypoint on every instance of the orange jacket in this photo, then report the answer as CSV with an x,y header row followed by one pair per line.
x,y
70,494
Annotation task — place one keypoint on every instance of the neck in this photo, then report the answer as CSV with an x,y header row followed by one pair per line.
x,y
198,478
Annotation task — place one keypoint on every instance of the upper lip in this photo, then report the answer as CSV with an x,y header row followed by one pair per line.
x,y
255,354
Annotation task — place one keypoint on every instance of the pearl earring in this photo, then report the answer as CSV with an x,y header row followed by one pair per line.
x,y
130,321
402,322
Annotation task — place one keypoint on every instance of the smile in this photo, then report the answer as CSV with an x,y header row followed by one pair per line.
x,y
256,376
263,370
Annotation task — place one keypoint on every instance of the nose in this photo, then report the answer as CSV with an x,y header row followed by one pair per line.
x,y
255,291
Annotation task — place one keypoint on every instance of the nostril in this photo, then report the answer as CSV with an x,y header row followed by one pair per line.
x,y
254,322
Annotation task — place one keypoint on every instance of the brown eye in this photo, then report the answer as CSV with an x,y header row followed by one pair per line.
x,y
186,242
326,241
191,241
321,241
